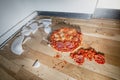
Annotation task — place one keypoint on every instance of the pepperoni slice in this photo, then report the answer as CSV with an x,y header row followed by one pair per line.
x,y
69,44
59,44
79,59
99,58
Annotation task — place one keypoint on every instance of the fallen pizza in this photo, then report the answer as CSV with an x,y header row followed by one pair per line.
x,y
65,39
90,54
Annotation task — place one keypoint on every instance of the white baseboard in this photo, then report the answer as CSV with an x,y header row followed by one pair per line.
x,y
9,34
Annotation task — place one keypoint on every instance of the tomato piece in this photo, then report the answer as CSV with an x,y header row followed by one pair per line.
x,y
72,55
99,58
81,51
90,54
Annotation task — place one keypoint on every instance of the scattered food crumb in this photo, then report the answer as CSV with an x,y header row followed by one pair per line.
x,y
23,65
54,67
62,66
57,56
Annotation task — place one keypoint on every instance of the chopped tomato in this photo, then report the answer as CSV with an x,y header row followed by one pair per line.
x,y
90,54
72,55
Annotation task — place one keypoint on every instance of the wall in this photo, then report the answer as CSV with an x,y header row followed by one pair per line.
x,y
77,6
109,4
11,13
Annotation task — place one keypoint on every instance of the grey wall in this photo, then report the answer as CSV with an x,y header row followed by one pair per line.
x,y
78,6
109,4
11,13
